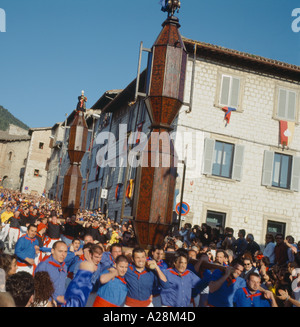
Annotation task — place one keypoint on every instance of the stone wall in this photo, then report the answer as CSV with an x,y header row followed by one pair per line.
x,y
247,203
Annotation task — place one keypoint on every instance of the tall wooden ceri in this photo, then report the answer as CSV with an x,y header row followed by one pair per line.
x,y
73,179
155,184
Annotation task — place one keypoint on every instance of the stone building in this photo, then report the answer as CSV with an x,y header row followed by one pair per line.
x,y
243,172
39,152
14,144
56,141
59,158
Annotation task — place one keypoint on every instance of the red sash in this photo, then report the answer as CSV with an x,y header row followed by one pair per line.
x,y
30,239
23,264
178,274
251,296
100,302
138,273
60,267
137,303
122,279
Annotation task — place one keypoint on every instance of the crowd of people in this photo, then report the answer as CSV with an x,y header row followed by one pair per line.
x,y
88,260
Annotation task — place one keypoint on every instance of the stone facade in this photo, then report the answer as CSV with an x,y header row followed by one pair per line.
x,y
14,145
57,140
244,202
38,154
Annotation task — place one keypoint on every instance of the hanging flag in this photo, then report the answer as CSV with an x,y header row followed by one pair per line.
x,y
117,192
129,190
286,132
139,131
228,111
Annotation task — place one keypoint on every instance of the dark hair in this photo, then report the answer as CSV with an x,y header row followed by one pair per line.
x,y
137,250
126,232
271,236
180,253
88,235
43,287
87,246
95,248
31,225
76,239
6,261
154,248
115,245
121,258
253,274
21,287
266,261
237,261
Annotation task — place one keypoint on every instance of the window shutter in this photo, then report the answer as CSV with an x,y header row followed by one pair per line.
x,y
209,148
121,171
238,162
281,103
295,177
224,97
235,88
267,173
291,106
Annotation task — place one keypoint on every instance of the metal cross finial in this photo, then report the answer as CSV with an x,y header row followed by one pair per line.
x,y
170,6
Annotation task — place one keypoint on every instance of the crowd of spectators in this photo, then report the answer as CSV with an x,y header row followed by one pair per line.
x,y
209,252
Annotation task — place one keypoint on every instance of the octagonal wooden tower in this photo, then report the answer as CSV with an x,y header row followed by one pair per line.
x,y
155,180
73,179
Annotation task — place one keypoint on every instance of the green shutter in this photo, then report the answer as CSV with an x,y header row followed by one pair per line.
x,y
209,148
267,173
295,176
238,160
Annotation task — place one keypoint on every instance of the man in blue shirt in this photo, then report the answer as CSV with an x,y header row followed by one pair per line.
x,y
182,281
26,250
108,258
156,253
113,289
222,287
141,280
55,266
251,296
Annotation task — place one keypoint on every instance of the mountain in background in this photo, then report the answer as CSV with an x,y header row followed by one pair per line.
x,y
7,118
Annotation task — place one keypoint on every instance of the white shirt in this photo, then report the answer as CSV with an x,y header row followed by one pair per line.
x,y
269,252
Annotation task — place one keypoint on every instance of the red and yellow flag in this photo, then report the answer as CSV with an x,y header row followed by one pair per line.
x,y
286,132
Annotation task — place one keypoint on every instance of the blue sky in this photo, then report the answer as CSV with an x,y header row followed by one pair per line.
x,y
53,49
